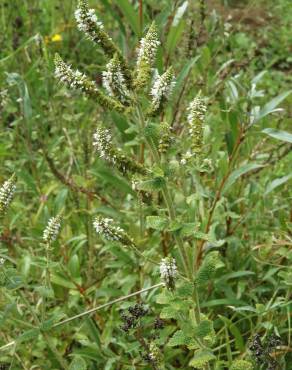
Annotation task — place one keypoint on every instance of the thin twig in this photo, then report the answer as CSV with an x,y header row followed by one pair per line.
x,y
71,184
85,313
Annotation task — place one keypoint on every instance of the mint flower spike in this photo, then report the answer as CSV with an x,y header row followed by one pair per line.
x,y
161,91
7,191
79,81
52,229
88,23
196,117
103,144
168,272
146,56
114,81
107,228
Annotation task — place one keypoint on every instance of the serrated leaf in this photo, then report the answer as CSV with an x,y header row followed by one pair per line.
x,y
178,339
208,268
169,313
241,365
156,222
185,290
201,358
204,328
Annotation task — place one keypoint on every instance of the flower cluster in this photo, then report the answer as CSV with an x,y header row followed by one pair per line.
x,y
52,229
146,55
102,142
7,191
79,81
196,116
165,139
114,81
154,353
93,28
106,227
2,261
87,21
73,79
4,98
168,272
161,90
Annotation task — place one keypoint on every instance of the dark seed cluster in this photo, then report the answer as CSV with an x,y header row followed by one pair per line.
x,y
262,351
131,318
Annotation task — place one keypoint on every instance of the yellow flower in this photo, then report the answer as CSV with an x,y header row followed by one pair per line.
x,y
56,38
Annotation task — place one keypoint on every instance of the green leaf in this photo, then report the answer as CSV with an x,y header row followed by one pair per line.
x,y
223,302
204,328
176,29
234,275
156,222
130,15
62,281
178,339
169,313
74,266
207,269
183,74
241,365
202,358
239,172
29,335
165,297
271,106
78,363
277,182
185,290
278,134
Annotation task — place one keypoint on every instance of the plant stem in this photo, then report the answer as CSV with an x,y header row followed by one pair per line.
x,y
167,198
218,195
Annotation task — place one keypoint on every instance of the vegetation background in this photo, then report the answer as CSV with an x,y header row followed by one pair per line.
x,y
238,55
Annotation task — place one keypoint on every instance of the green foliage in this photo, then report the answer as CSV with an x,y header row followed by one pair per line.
x,y
241,365
207,270
78,363
210,192
201,359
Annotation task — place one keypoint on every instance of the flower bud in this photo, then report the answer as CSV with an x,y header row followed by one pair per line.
x,y
52,229
196,116
146,56
107,228
161,90
114,81
168,272
79,81
7,191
